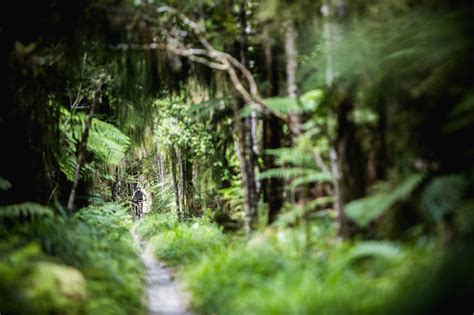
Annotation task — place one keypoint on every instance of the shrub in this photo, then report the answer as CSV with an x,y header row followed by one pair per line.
x,y
96,241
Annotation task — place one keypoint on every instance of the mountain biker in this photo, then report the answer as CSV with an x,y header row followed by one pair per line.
x,y
137,201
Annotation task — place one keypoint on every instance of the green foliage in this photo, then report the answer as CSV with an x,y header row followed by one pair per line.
x,y
180,127
25,209
274,273
306,103
4,184
283,105
363,211
444,194
182,243
31,285
106,143
95,241
154,223
299,163
233,197
293,214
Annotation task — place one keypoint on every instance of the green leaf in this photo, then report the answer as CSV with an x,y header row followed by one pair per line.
x,y
311,100
4,184
363,211
383,249
283,105
25,209
444,194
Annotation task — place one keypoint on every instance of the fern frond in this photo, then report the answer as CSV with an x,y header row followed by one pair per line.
x,y
107,142
364,210
26,209
289,156
4,184
444,194
312,177
382,249
285,173
283,105
297,212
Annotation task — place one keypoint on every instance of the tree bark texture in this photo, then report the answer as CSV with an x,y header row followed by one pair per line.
x,y
350,163
272,136
175,181
82,148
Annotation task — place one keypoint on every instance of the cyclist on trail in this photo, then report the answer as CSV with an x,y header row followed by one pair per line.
x,y
137,201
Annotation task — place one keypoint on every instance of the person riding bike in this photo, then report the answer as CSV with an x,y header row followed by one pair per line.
x,y
137,201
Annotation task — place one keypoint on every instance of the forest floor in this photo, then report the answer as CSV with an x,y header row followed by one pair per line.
x,y
164,295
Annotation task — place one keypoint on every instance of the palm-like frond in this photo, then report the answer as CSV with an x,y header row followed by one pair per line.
x,y
364,210
298,212
382,249
4,184
106,143
26,209
444,194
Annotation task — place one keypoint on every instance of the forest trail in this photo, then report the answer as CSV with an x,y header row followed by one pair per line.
x,y
164,297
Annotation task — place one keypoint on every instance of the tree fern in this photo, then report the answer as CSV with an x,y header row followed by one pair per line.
x,y
106,143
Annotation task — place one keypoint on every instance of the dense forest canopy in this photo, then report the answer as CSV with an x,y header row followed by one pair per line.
x,y
287,157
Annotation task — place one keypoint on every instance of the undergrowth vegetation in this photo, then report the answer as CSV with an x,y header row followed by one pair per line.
x,y
276,271
85,264
181,243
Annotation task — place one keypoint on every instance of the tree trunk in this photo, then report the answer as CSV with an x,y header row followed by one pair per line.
x,y
328,38
175,181
189,185
291,52
82,148
184,210
350,163
272,136
245,141
160,168
116,185
248,174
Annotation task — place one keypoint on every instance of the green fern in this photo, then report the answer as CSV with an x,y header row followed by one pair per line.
x,y
297,212
285,173
4,184
283,105
308,102
362,211
383,249
26,209
444,194
288,156
106,143
312,176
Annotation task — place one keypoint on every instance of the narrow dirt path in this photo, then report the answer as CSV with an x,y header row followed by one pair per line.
x,y
164,297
